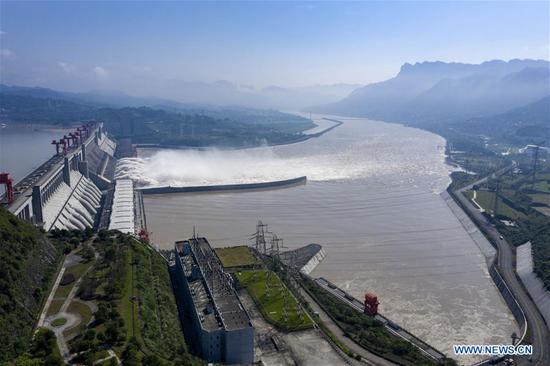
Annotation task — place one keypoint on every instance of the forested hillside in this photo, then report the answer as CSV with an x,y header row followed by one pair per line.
x,y
233,127
28,262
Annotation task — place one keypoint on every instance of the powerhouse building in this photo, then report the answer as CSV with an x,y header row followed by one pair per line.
x,y
216,324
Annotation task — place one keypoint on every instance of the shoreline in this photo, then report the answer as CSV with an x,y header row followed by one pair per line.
x,y
301,138
35,127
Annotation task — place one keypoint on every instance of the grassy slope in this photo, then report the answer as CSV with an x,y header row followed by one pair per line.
x,y
143,300
158,317
271,302
28,262
240,256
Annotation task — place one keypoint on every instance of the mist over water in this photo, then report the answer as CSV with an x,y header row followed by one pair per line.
x,y
371,201
347,159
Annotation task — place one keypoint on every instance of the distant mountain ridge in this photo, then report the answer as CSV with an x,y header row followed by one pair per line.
x,y
185,94
435,92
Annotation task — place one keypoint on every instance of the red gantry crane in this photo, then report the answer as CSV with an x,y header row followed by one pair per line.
x,y
64,142
7,180
56,143
73,136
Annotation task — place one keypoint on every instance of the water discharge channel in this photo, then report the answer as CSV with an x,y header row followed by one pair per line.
x,y
372,200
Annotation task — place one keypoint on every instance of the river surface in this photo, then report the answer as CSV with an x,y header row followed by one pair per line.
x,y
372,200
23,149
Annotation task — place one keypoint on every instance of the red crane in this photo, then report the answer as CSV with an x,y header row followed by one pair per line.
x,y
6,179
78,135
64,142
144,236
56,143
83,131
371,304
74,138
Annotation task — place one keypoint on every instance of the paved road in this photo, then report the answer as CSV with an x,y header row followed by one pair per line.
x,y
73,320
540,336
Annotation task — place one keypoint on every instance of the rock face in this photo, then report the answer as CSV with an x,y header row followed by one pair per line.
x,y
28,262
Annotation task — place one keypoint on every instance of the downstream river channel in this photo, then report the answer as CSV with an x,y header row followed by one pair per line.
x,y
372,200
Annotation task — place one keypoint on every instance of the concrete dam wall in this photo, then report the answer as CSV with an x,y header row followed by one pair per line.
x,y
226,187
63,193
72,206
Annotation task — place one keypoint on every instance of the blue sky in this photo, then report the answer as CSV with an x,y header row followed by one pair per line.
x,y
111,45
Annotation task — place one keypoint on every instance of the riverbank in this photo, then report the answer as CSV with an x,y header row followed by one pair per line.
x,y
35,127
299,138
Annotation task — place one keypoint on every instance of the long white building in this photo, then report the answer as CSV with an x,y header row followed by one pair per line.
x,y
122,211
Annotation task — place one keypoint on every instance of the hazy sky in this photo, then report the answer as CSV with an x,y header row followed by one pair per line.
x,y
127,45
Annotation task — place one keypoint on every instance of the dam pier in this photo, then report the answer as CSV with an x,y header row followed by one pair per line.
x,y
71,189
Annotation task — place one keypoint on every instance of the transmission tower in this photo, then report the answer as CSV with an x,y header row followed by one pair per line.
x,y
275,247
497,191
285,303
535,160
259,237
268,282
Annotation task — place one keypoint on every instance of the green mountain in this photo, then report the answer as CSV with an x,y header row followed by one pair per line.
x,y
146,125
524,125
28,262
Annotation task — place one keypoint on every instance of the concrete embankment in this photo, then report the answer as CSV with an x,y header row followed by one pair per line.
x,y
533,284
328,129
305,258
392,327
226,187
510,300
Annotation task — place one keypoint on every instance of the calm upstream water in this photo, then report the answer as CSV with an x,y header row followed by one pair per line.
x,y
372,200
23,149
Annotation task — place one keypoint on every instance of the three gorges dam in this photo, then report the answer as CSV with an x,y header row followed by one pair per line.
x,y
75,189
83,185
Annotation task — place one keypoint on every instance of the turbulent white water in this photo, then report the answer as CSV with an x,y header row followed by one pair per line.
x,y
324,162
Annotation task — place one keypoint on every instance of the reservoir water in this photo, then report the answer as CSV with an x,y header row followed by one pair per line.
x,y
372,200
23,149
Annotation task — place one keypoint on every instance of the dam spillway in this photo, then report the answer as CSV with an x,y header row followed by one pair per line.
x,y
67,190
226,187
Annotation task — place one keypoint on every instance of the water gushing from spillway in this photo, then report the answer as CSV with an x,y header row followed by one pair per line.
x,y
327,163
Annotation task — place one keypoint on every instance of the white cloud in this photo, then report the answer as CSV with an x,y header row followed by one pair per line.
x,y
101,73
5,53
67,68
